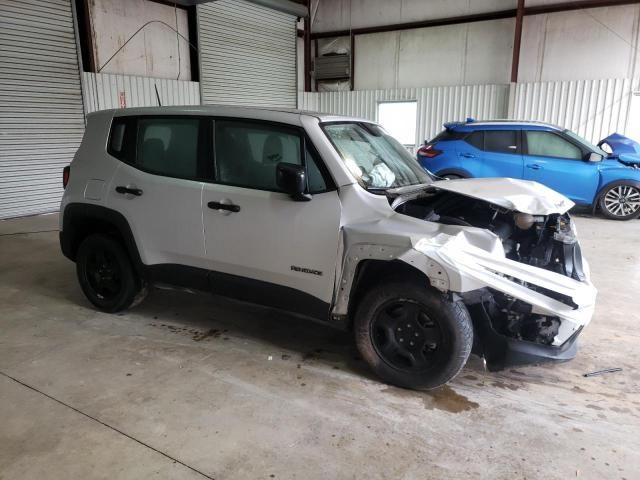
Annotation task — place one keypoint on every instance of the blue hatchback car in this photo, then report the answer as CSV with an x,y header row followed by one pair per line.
x,y
551,155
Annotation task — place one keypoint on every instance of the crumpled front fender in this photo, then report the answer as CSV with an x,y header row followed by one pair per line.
x,y
471,263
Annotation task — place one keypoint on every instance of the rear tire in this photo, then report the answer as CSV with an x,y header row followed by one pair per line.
x,y
106,274
620,201
413,336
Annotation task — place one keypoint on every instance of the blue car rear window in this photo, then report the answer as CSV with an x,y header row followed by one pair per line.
x,y
448,135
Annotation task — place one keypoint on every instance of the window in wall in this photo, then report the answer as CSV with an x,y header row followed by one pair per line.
x,y
399,119
246,154
168,146
501,141
547,144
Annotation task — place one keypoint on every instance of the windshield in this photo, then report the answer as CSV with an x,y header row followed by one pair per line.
x,y
584,143
376,159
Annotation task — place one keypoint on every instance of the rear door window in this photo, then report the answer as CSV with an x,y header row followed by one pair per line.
x,y
501,141
168,146
476,139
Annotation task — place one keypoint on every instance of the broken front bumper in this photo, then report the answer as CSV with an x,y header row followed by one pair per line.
x,y
472,265
500,351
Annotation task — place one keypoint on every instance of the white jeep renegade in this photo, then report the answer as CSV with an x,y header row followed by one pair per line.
x,y
330,218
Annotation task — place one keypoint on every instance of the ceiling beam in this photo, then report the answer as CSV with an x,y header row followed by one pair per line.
x,y
478,17
517,41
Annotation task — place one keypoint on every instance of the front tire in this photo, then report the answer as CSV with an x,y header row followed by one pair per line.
x,y
413,336
620,201
106,274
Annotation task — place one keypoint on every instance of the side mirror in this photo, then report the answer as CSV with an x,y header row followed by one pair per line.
x,y
291,179
594,157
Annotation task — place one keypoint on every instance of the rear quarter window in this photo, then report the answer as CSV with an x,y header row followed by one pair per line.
x,y
122,139
447,135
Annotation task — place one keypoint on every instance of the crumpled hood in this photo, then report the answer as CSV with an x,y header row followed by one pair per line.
x,y
620,144
522,195
624,149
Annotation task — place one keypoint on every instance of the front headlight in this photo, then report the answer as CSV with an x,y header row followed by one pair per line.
x,y
524,221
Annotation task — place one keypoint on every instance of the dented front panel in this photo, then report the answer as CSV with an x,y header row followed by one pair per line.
x,y
462,259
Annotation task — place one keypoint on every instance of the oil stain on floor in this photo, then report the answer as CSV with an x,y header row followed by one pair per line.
x,y
447,399
443,398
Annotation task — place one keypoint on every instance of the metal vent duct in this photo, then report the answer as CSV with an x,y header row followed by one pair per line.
x,y
332,67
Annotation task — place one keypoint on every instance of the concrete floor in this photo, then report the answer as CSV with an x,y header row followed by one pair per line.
x,y
189,386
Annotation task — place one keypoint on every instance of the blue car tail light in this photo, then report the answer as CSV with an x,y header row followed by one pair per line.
x,y
428,151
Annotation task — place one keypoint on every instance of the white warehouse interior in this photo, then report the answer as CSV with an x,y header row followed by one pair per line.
x,y
319,239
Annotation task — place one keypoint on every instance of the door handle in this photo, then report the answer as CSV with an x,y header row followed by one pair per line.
x,y
468,155
130,190
230,207
534,166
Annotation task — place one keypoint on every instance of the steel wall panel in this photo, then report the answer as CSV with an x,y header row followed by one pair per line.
x,y
102,91
591,108
436,105
41,112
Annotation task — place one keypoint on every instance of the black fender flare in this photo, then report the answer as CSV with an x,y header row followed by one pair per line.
x,y
77,222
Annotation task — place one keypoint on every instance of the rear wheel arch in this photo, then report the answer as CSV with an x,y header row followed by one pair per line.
x,y
106,274
82,220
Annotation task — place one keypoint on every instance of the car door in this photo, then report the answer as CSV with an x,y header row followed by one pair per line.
x,y
261,245
156,185
555,161
502,155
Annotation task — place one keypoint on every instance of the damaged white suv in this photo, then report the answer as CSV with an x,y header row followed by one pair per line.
x,y
330,218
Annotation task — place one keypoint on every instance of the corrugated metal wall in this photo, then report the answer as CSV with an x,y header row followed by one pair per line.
x,y
103,91
436,105
591,108
41,117
247,54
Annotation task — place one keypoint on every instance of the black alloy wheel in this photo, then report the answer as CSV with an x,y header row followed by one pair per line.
x,y
412,335
407,337
106,274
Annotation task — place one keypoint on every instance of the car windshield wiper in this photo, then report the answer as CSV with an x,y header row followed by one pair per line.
x,y
377,190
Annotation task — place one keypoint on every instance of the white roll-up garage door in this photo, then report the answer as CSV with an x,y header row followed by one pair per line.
x,y
247,55
41,112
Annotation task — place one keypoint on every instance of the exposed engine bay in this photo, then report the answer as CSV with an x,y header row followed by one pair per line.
x,y
543,241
